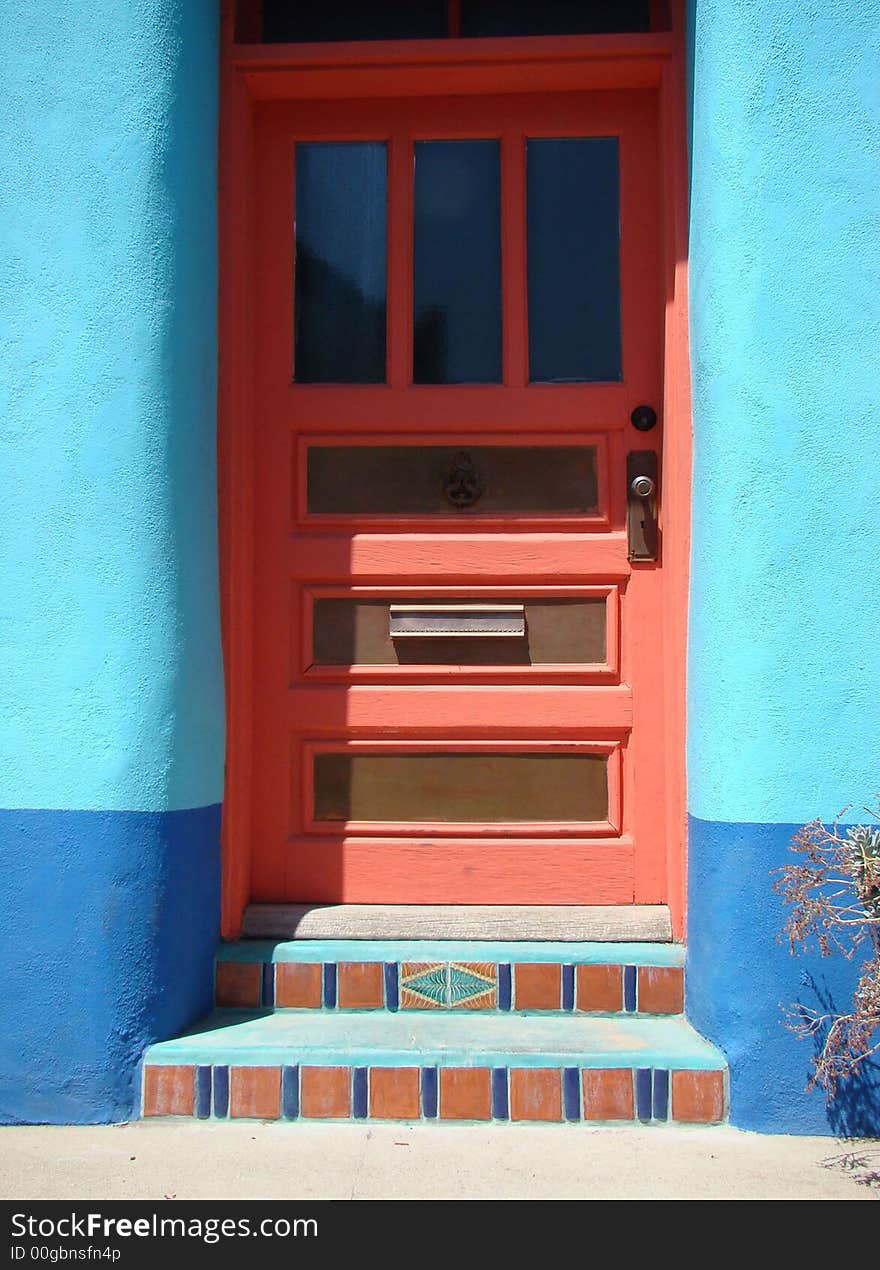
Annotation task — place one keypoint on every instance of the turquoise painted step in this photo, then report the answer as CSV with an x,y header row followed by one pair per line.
x,y
452,1067
452,974
256,1038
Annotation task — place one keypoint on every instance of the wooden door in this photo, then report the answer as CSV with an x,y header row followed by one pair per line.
x,y
457,308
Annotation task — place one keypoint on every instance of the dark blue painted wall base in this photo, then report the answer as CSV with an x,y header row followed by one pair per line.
x,y
110,946
739,975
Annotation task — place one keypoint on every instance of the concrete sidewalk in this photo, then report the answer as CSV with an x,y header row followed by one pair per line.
x,y
254,1160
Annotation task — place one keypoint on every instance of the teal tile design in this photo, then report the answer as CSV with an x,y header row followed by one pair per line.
x,y
472,986
423,986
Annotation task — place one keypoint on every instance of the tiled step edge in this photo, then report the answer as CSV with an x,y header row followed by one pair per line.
x,y
562,986
574,1095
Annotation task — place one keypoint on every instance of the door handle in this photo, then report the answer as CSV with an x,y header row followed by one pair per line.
x,y
641,505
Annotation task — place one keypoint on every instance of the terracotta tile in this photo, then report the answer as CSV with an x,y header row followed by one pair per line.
x,y
698,1097
600,988
608,1093
325,1093
535,1093
360,985
238,983
661,990
298,984
465,1093
255,1092
169,1091
537,986
394,1093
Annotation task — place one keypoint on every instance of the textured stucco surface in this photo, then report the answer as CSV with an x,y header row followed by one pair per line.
x,y
111,694
784,721
110,677
784,659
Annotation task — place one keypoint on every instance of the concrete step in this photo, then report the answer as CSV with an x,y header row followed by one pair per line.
x,y
457,975
443,1065
563,922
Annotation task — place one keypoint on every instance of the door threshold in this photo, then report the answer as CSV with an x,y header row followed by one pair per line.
x,y
603,923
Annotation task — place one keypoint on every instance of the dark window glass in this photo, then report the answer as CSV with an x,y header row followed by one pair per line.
x,y
573,259
415,480
553,17
457,263
305,21
341,214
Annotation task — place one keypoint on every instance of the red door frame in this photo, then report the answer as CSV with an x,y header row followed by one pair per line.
x,y
251,73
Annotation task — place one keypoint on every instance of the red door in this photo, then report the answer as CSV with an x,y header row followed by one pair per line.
x,y
458,687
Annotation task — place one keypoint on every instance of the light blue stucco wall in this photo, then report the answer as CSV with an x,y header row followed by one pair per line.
x,y
111,724
784,660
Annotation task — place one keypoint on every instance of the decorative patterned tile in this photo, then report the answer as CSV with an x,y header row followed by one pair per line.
x,y
360,985
471,985
537,986
567,987
255,1092
608,1093
661,990
329,985
698,1097
465,1093
238,983
298,985
423,985
169,1091
536,1093
394,1093
600,988
325,1093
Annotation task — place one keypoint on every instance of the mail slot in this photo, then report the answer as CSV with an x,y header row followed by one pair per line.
x,y
439,621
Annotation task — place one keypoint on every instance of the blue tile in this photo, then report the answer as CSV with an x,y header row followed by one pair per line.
x,y
268,989
221,1091
290,1092
392,999
203,1092
359,1094
500,1108
429,1092
661,1094
571,1093
629,989
643,1093
330,984
567,987
504,988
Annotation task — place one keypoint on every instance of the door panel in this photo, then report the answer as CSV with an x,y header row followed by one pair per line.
x,y
462,768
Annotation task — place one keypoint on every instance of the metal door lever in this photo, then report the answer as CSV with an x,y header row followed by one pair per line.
x,y
641,505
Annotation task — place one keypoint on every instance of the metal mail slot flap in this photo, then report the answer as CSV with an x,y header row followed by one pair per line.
x,y
424,621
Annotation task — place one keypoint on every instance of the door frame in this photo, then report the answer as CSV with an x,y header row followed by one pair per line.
x,y
251,74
